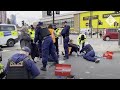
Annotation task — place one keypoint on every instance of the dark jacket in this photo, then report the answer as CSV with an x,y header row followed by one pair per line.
x,y
40,33
86,48
31,67
65,31
25,40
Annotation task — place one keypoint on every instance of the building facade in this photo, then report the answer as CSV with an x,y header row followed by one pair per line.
x,y
3,17
13,19
79,19
44,14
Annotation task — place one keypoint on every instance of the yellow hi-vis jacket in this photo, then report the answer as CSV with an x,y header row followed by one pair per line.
x,y
79,41
57,32
1,68
31,33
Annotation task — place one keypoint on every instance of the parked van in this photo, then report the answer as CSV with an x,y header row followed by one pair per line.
x,y
110,34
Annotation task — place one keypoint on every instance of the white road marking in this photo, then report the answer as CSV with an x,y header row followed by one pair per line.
x,y
87,72
81,78
61,61
6,50
91,66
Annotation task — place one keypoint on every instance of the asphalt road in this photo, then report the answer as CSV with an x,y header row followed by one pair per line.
x,y
82,69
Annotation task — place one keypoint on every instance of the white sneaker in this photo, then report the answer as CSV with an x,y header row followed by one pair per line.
x,y
97,60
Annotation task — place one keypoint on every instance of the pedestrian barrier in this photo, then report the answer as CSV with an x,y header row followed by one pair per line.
x,y
63,70
108,55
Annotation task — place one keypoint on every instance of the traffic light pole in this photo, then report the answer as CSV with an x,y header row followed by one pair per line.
x,y
119,34
97,28
53,17
91,22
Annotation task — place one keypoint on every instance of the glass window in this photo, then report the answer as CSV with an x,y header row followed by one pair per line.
x,y
112,30
7,28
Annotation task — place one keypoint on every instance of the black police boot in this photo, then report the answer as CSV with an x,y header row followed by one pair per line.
x,y
43,69
65,58
53,64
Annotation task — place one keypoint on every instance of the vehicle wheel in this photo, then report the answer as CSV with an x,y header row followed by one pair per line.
x,y
10,43
107,38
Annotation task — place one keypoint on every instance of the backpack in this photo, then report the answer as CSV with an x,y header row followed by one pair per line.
x,y
17,70
82,37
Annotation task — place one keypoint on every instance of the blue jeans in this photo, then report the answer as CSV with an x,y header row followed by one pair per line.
x,y
90,56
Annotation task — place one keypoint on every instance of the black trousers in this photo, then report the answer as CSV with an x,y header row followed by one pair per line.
x,y
56,45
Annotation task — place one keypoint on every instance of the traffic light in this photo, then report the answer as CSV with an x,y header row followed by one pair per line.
x,y
23,23
116,24
99,22
57,12
49,13
87,24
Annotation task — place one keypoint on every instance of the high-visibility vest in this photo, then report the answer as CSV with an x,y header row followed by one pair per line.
x,y
79,41
52,34
1,68
57,33
31,33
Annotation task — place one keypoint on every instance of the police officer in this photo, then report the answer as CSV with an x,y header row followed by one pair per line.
x,y
65,34
57,34
81,39
42,34
30,66
31,32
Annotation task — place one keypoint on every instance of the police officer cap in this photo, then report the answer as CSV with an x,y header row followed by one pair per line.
x,y
26,49
40,23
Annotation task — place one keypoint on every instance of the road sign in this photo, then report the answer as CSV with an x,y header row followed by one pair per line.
x,y
110,20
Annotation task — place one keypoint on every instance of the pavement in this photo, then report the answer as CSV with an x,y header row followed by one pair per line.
x,y
82,69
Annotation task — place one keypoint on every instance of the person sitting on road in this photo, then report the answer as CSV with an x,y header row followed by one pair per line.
x,y
20,66
89,53
73,47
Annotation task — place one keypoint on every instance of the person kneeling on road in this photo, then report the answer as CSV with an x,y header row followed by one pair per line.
x,y
89,53
73,48
20,66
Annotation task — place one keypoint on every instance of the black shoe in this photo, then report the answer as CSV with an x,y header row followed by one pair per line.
x,y
53,64
63,53
35,62
65,58
43,69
